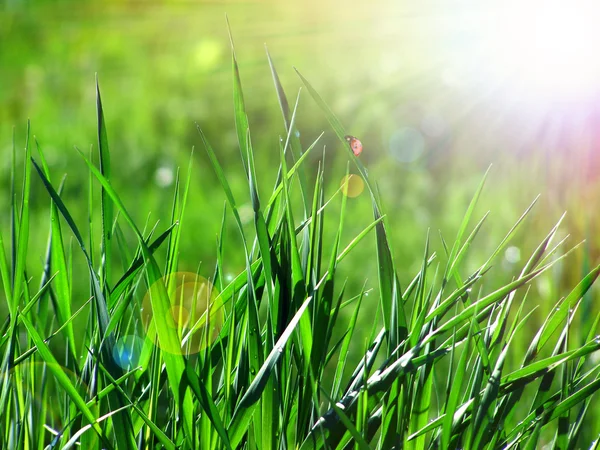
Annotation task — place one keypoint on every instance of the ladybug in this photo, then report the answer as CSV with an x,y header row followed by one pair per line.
x,y
355,145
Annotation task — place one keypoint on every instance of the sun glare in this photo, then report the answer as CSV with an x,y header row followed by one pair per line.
x,y
548,48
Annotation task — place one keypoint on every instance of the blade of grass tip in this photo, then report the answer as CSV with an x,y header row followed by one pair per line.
x,y
467,244
547,380
178,218
90,214
14,216
357,239
295,168
574,296
319,313
341,134
529,266
311,270
333,320
487,300
290,128
481,346
218,276
343,358
26,355
241,119
106,205
245,409
463,226
223,180
136,265
590,335
510,233
389,289
418,318
172,244
42,309
22,232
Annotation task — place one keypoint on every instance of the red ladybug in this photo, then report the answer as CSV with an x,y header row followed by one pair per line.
x,y
355,145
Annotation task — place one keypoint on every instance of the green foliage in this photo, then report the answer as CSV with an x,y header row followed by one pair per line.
x,y
268,360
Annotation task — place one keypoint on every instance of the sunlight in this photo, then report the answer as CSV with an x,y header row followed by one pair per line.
x,y
548,48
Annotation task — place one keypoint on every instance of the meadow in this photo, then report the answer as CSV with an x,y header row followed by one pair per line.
x,y
268,288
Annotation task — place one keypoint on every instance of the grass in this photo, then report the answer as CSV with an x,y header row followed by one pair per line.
x,y
173,360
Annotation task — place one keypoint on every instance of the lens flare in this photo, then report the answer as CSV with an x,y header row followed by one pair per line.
x,y
127,351
407,144
352,185
546,48
195,312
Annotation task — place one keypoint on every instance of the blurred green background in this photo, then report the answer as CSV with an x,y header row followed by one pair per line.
x,y
435,91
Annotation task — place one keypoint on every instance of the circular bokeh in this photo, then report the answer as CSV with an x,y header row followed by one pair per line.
x,y
194,312
352,185
407,145
127,351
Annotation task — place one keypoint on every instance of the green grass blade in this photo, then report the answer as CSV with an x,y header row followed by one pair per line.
x,y
62,378
106,204
245,408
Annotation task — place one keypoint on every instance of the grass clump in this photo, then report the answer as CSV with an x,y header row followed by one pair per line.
x,y
263,361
